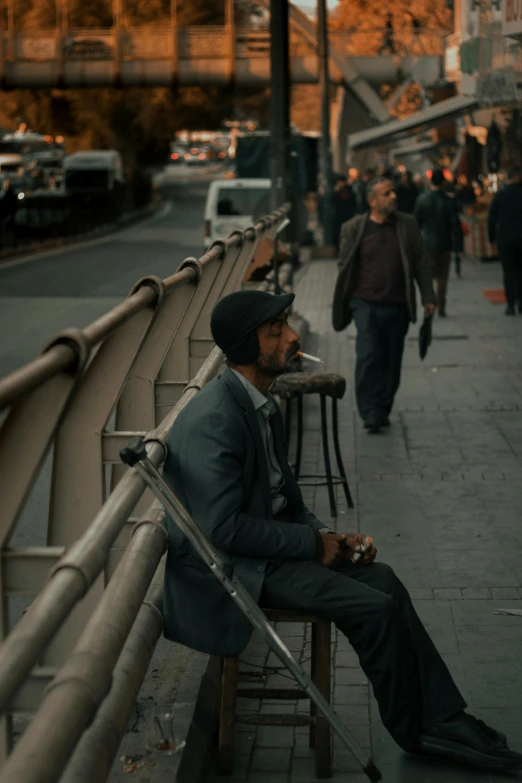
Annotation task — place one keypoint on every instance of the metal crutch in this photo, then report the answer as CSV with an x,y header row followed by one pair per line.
x,y
135,455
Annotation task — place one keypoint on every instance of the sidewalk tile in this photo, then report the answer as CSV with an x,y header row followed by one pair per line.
x,y
499,593
277,760
469,593
448,594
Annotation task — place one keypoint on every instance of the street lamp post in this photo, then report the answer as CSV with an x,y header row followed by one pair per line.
x,y
325,166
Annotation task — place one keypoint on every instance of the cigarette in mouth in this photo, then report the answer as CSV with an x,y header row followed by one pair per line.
x,y
312,358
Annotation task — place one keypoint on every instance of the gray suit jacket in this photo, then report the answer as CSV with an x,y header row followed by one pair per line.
x,y
414,260
217,467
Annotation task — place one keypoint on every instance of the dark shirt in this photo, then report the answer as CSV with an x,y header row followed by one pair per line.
x,y
380,276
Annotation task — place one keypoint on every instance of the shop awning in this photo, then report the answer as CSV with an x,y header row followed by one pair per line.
x,y
431,117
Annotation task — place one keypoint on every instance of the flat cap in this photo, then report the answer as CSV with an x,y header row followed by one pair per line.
x,y
237,316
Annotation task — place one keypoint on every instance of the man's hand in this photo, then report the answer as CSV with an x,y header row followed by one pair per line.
x,y
334,547
353,543
429,309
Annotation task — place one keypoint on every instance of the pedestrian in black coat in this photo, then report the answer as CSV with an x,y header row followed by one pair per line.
x,y
505,230
407,193
438,219
344,206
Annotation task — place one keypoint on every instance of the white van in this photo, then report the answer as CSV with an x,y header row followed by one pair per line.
x,y
234,204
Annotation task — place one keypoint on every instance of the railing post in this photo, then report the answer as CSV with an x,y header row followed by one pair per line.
x,y
78,487
117,21
174,41
11,30
230,34
2,52
61,32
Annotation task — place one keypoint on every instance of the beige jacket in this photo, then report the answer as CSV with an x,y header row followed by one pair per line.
x,y
415,263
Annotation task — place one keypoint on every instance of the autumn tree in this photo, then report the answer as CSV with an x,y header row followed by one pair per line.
x,y
357,28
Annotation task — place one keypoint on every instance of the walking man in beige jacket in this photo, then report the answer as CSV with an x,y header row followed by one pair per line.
x,y
381,256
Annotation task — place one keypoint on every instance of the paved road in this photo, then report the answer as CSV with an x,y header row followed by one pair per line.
x,y
41,295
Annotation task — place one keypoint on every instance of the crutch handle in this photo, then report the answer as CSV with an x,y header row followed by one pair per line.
x,y
132,453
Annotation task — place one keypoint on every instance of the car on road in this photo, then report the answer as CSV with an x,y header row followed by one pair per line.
x,y
233,205
198,155
177,154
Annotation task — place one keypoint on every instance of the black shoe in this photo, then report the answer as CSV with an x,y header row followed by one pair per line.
x,y
510,311
373,424
470,741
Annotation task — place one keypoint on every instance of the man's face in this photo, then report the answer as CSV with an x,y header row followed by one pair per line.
x,y
278,344
383,199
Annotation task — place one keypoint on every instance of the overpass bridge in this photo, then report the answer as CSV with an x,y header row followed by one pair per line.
x,y
164,55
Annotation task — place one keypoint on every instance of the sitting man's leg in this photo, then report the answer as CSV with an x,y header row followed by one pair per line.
x,y
372,621
419,703
440,698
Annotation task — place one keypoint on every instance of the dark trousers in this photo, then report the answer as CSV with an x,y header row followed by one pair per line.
x,y
381,330
440,261
511,258
369,604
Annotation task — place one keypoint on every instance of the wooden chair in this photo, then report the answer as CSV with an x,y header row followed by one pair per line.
x,y
320,732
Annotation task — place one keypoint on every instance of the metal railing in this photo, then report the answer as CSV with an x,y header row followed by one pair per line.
x,y
162,42
88,637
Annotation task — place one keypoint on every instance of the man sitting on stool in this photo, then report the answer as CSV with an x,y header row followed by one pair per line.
x,y
227,465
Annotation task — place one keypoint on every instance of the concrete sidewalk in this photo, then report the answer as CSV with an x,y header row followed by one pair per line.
x,y
441,494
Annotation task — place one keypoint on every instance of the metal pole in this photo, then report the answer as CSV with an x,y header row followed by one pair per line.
x,y
10,16
174,38
230,31
10,29
85,679
117,21
325,155
94,754
280,140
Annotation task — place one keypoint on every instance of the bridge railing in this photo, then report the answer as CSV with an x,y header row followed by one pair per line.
x,y
160,42
89,635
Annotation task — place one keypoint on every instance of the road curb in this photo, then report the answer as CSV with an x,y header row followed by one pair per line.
x,y
125,221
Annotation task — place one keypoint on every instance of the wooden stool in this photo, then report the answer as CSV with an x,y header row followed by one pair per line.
x,y
326,384
320,733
